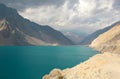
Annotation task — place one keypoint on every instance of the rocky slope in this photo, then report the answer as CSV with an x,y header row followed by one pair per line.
x,y
16,30
87,40
108,41
101,66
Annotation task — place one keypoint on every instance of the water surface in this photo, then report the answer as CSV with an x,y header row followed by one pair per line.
x,y
32,62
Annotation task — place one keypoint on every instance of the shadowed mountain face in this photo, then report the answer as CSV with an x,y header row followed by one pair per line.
x,y
94,35
16,30
75,35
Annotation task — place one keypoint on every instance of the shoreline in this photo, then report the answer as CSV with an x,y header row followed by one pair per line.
x,y
100,66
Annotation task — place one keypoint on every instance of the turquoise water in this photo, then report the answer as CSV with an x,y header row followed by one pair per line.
x,y
32,62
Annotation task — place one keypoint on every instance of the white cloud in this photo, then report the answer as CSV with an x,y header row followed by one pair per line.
x,y
106,4
85,7
84,14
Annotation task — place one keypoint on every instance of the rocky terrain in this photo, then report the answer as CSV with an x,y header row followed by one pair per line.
x,y
108,41
87,40
100,66
16,30
105,65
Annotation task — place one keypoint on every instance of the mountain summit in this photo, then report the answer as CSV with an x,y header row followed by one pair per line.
x,y
16,30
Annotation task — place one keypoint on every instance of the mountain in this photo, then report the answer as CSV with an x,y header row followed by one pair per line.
x,y
75,35
16,30
108,41
94,35
105,65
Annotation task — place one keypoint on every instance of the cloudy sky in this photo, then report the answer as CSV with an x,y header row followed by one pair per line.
x,y
85,15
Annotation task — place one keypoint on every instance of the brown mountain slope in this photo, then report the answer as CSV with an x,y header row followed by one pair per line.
x,y
87,40
16,30
108,41
101,66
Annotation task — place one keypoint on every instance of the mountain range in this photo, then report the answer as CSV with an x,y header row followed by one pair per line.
x,y
16,30
104,65
75,35
87,40
109,41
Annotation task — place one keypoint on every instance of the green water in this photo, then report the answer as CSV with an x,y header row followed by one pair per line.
x,y
32,62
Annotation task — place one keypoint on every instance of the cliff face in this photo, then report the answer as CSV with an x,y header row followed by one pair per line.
x,y
108,41
16,30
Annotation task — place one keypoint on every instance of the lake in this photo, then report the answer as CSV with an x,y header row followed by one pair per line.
x,y
32,62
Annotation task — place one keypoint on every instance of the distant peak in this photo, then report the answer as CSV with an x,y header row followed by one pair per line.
x,y
6,11
2,5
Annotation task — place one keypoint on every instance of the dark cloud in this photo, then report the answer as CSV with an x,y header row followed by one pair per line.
x,y
116,4
22,4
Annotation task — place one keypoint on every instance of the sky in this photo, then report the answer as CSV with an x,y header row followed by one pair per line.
x,y
83,15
